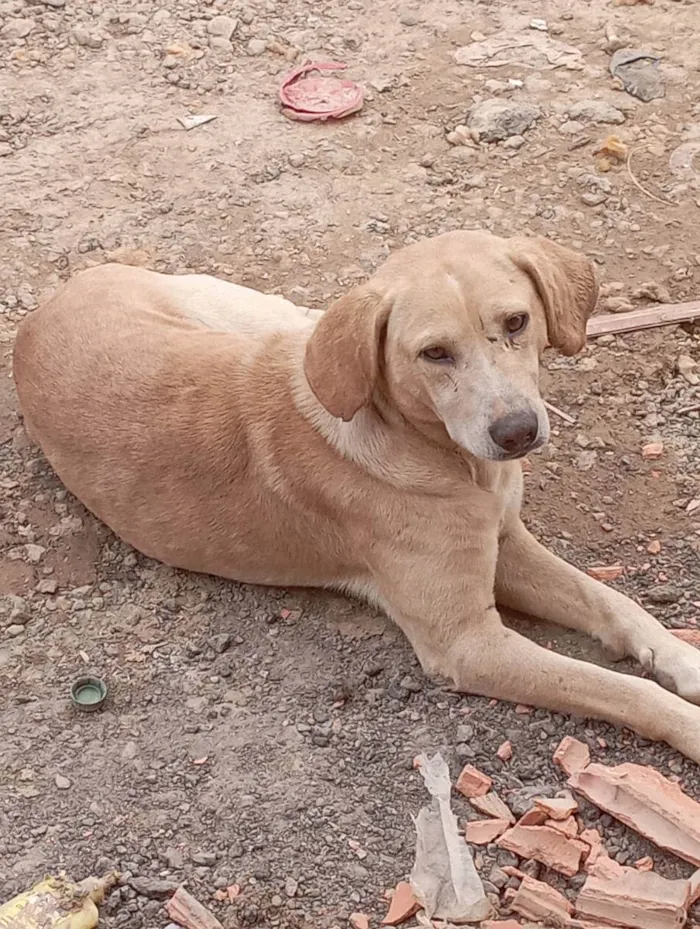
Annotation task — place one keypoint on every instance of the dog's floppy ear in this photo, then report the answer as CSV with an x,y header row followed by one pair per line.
x,y
566,283
342,356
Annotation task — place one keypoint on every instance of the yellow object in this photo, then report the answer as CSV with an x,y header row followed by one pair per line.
x,y
57,903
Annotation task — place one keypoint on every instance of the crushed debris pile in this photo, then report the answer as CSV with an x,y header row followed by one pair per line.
x,y
549,831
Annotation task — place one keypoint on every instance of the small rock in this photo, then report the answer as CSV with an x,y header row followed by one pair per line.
x,y
34,552
596,111
220,643
153,888
5,149
174,858
18,28
218,43
594,197
409,19
87,39
687,367
496,120
296,160
205,859
586,460
663,594
651,290
14,610
222,26
62,782
256,47
291,887
14,630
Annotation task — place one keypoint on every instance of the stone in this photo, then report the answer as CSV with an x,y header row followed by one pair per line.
x,y
496,120
14,630
155,888
256,47
18,28
596,111
62,782
222,26
14,610
5,149
218,43
86,38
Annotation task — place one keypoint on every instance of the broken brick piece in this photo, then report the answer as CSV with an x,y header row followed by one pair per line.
x,y
594,840
513,872
694,881
644,864
533,818
472,782
606,572
644,799
572,755
556,807
492,805
567,827
546,845
652,450
505,751
638,899
691,636
359,921
483,831
403,905
536,900
502,924
186,911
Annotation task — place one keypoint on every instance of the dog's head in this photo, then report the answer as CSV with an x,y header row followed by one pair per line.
x,y
450,331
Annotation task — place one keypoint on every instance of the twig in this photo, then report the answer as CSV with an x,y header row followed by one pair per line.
x,y
664,314
636,183
560,413
694,408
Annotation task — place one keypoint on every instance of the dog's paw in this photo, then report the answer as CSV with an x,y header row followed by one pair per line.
x,y
676,666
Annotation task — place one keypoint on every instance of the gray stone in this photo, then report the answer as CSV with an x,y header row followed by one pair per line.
x,y
222,26
62,782
256,47
5,149
18,28
218,43
205,859
14,610
496,120
14,630
596,111
154,888
87,39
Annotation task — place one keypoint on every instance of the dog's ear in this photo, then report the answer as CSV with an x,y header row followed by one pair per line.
x,y
566,283
342,356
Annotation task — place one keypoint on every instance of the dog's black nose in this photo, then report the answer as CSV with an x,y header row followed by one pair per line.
x,y
515,433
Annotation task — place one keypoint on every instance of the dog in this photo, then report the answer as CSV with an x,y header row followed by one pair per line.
x,y
372,448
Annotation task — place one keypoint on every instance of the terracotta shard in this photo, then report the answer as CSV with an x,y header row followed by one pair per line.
x,y
556,807
505,751
472,782
638,899
644,799
572,755
546,845
536,900
502,924
492,805
484,831
606,572
183,909
402,907
644,864
567,827
691,636
694,882
533,818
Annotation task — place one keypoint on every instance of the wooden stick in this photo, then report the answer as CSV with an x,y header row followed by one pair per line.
x,y
560,413
666,314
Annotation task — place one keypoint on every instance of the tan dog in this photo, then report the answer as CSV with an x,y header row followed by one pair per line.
x,y
368,449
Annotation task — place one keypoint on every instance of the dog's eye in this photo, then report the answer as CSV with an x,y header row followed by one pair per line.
x,y
517,324
438,354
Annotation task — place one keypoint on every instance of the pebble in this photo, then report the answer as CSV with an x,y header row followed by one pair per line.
x,y
596,111
155,888
18,28
256,47
62,782
5,149
496,120
663,594
222,26
14,630
87,39
296,160
14,610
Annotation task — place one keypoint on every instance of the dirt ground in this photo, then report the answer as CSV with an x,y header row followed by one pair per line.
x,y
266,737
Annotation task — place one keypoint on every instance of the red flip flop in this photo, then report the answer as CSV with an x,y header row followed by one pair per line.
x,y
319,97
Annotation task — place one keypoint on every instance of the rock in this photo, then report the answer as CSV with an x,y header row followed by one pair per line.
x,y
296,160
34,552
205,859
222,26
87,39
256,47
596,111
18,28
62,782
496,120
594,198
14,630
218,43
663,594
14,610
153,888
174,858
638,73
221,642
5,149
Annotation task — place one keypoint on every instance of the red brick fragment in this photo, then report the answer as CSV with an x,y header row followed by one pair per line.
x,y
638,899
403,905
691,636
359,921
556,807
572,755
472,782
484,831
644,864
644,799
567,827
536,900
606,572
492,805
505,751
533,817
546,845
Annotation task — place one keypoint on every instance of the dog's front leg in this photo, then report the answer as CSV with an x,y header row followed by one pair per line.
x,y
480,655
532,580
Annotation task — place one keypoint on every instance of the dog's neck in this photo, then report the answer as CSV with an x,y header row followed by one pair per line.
x,y
380,441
